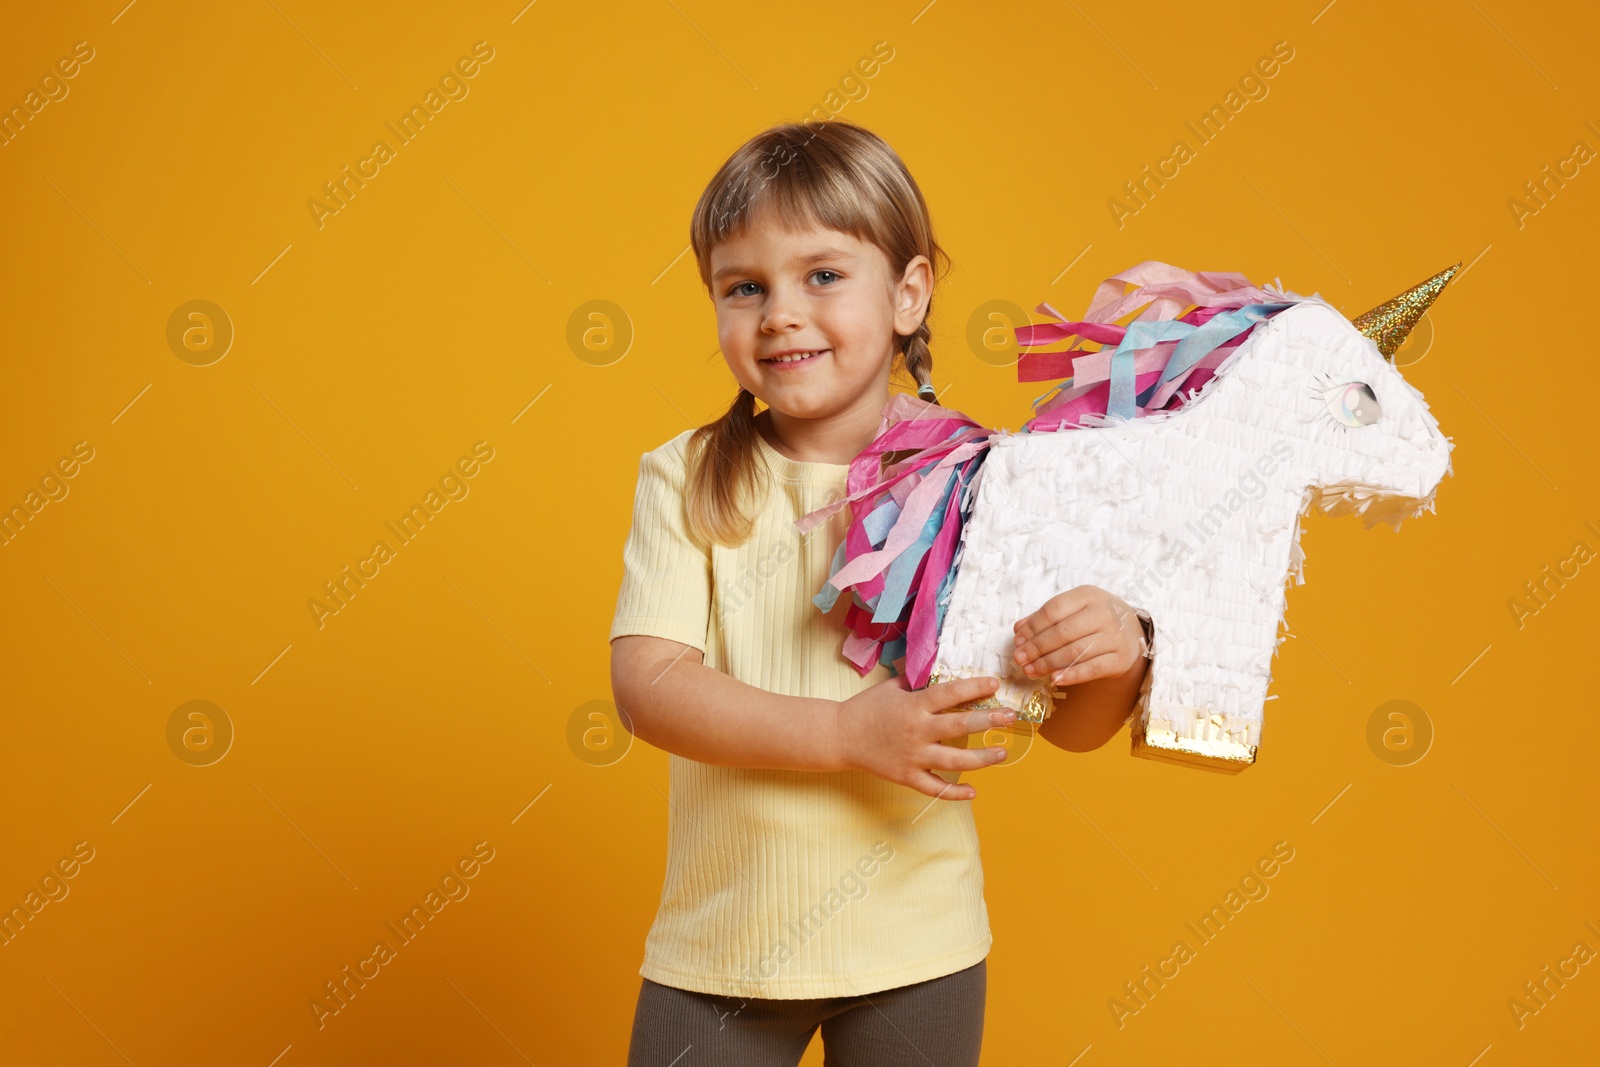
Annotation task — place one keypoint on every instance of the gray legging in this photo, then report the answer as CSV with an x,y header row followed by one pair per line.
x,y
938,1022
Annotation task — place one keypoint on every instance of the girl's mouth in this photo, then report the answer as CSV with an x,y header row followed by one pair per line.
x,y
796,359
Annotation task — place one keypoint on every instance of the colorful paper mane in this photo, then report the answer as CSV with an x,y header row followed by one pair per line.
x,y
913,489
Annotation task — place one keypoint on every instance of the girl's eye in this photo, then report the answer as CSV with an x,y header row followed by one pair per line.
x,y
739,288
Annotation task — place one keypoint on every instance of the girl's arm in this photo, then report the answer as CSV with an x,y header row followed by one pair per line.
x,y
672,700
677,703
1090,713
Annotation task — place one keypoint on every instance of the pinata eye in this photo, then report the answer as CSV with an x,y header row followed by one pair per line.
x,y
1352,403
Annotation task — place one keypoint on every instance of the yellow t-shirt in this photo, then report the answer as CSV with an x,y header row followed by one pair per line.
x,y
787,884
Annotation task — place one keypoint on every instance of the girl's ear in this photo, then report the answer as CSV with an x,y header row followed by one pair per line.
x,y
911,296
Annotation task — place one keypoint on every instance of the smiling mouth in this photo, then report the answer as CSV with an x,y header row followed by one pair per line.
x,y
797,357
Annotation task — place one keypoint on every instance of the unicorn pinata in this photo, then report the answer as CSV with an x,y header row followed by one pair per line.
x,y
1170,466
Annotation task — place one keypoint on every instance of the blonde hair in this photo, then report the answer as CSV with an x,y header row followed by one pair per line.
x,y
834,175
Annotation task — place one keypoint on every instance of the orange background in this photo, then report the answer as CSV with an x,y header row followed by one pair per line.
x,y
372,754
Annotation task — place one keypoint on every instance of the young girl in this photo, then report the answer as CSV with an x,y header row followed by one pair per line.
x,y
821,868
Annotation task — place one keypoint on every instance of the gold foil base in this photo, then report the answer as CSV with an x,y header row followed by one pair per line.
x,y
1194,737
1030,699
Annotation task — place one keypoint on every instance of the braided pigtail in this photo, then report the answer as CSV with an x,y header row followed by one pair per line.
x,y
918,359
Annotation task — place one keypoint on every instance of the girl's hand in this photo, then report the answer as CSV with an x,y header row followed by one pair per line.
x,y
894,732
1082,634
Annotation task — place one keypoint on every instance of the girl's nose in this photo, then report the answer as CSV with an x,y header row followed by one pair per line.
x,y
783,310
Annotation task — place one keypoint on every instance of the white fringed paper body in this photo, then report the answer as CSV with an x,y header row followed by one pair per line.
x,y
1193,516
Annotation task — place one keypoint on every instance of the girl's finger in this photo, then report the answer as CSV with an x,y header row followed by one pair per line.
x,y
1053,611
959,691
960,724
1070,652
1086,669
1057,635
930,784
965,759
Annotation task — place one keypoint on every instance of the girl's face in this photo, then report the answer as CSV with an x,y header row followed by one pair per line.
x,y
817,293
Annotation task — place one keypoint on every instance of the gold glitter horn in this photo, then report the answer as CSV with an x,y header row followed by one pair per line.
x,y
1390,322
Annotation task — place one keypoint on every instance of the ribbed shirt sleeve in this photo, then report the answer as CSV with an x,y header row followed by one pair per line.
x,y
666,575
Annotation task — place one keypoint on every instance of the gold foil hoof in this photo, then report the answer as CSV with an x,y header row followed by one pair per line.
x,y
1209,742
1033,706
